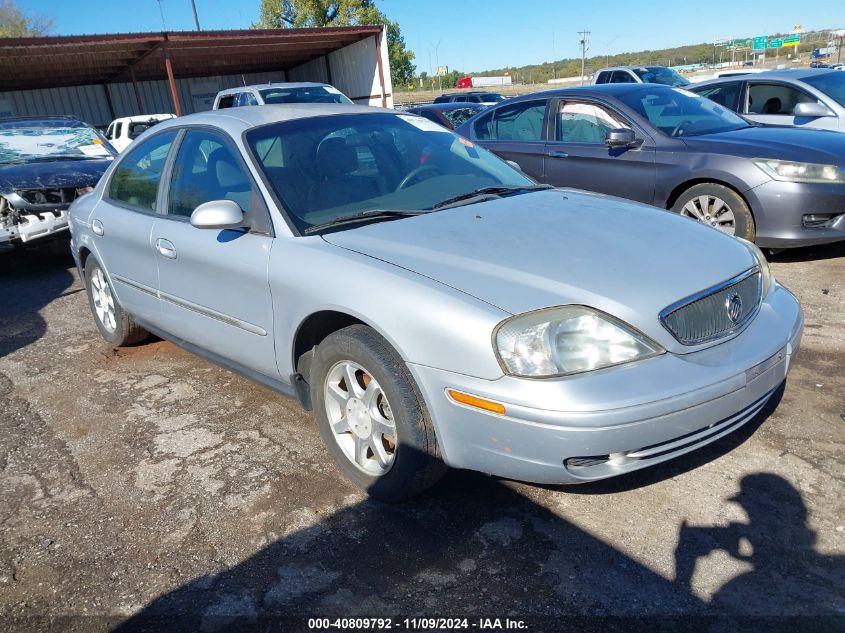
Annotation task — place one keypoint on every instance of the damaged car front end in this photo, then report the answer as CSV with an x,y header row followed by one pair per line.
x,y
45,164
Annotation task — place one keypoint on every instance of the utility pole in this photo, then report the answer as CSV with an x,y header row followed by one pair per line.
x,y
196,16
585,45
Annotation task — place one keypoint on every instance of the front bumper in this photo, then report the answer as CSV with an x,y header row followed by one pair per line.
x,y
34,226
779,208
604,423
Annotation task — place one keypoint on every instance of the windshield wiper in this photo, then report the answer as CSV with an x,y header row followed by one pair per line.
x,y
484,192
366,216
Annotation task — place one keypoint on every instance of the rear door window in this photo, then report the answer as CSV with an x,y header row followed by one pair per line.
x,y
603,77
135,180
622,77
726,94
226,101
521,121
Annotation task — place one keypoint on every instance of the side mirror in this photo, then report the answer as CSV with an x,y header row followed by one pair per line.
x,y
218,214
515,165
620,137
811,109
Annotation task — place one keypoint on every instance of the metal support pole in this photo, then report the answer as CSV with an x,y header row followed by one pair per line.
x,y
380,71
137,91
174,93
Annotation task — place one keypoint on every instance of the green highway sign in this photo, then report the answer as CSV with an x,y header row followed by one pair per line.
x,y
760,43
792,40
775,43
740,44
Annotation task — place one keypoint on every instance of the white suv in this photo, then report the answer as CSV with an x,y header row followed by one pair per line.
x,y
123,131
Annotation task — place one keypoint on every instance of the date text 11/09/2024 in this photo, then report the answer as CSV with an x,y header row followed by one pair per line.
x,y
417,624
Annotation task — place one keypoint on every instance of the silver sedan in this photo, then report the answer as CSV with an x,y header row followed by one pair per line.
x,y
429,302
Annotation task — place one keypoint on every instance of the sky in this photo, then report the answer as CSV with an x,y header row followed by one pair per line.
x,y
474,35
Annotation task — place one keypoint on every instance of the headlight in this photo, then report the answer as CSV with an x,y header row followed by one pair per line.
x,y
762,263
789,171
567,340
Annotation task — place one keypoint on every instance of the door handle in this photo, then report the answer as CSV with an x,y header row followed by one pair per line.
x,y
97,227
165,248
555,153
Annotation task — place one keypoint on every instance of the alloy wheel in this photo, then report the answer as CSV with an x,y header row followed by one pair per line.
x,y
711,210
360,417
103,300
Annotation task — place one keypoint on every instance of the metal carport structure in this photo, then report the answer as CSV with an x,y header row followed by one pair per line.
x,y
99,77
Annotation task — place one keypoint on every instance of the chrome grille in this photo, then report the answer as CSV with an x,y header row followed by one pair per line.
x,y
704,316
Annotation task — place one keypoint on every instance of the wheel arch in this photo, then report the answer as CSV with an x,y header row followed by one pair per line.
x,y
679,190
311,331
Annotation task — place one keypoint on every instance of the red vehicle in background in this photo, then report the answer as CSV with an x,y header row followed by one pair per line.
x,y
483,82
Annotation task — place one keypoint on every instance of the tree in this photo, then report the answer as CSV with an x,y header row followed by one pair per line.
x,y
16,23
279,14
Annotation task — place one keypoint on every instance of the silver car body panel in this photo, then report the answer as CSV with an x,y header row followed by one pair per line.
x,y
436,286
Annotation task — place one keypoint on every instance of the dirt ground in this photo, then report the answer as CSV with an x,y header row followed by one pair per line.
x,y
147,483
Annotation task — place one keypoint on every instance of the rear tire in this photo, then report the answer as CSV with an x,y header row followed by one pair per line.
x,y
116,326
378,432
717,206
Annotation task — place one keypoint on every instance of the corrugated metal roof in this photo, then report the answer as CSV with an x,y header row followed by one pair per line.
x,y
77,60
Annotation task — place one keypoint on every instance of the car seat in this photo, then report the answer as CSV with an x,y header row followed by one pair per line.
x,y
772,106
336,185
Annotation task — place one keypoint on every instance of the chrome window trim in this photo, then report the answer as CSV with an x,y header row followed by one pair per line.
x,y
738,327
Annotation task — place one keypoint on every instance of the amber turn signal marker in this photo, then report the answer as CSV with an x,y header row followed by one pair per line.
x,y
475,401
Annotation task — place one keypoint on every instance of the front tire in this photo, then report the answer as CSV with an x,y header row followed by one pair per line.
x,y
372,416
116,326
718,206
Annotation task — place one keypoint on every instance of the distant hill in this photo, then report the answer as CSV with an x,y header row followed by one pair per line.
x,y
702,53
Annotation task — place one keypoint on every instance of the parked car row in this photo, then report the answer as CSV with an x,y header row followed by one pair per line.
x,y
664,146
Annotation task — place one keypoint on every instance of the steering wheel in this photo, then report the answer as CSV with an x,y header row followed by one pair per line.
x,y
415,173
680,127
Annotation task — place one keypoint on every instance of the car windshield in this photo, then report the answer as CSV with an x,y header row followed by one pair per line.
x,y
25,141
660,75
323,169
677,112
306,94
459,115
832,84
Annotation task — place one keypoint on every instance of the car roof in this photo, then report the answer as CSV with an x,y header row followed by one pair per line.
x,y
607,90
283,84
144,117
469,92
246,117
789,74
631,67
453,105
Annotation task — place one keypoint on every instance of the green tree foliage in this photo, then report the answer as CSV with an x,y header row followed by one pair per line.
x,y
279,14
16,23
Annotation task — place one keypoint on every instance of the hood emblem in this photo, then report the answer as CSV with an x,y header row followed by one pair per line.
x,y
733,306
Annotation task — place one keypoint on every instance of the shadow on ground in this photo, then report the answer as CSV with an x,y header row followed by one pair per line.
x,y
30,278
475,546
808,253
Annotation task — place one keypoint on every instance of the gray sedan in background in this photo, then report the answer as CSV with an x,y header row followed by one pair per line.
x,y
432,304
778,187
812,98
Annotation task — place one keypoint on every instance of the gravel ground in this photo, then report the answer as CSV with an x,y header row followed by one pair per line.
x,y
145,482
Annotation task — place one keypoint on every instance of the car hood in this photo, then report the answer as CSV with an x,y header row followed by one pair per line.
x,y
58,174
788,143
550,248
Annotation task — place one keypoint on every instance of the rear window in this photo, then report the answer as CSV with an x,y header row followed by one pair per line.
x,y
660,75
307,94
443,99
489,97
